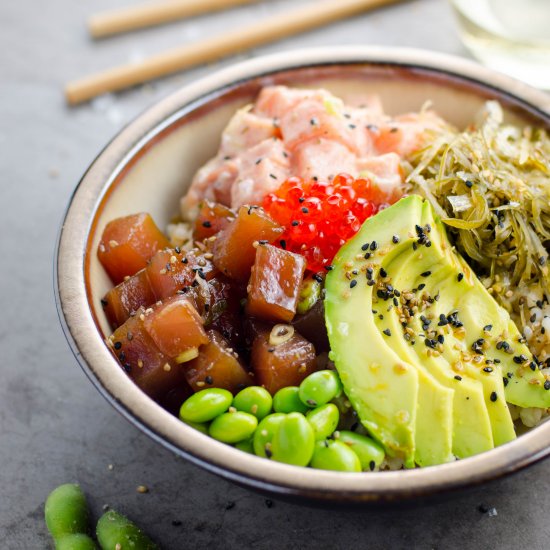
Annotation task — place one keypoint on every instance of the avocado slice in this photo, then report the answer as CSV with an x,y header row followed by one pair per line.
x,y
428,359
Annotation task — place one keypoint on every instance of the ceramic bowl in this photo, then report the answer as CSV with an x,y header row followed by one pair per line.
x,y
148,166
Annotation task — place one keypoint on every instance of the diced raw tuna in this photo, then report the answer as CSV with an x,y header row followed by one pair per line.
x,y
274,285
234,250
175,327
153,371
213,217
285,364
127,297
217,366
170,271
128,243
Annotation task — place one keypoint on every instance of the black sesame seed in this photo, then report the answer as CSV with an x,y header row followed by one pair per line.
x,y
383,272
547,385
533,366
305,210
122,356
318,278
268,454
457,377
369,272
373,245
459,277
353,283
206,224
469,184
104,302
367,255
395,239
372,465
487,369
415,246
421,286
493,396
387,332
441,339
273,176
301,200
118,345
282,242
505,381
426,274
294,223
539,304
209,380
487,328
533,318
329,267
371,283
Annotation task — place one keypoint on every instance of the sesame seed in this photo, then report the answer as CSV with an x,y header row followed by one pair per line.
x,y
459,277
426,274
457,377
395,239
493,396
353,283
207,224
387,332
365,247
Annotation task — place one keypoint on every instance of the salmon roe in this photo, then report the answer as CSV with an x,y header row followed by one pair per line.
x,y
320,216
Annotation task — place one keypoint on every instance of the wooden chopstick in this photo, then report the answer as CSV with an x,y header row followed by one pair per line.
x,y
148,15
315,14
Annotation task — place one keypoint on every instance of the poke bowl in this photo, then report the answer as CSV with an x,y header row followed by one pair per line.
x,y
432,337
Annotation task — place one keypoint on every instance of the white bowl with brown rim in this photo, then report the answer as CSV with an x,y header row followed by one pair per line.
x,y
148,166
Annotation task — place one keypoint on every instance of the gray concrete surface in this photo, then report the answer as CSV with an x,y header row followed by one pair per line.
x,y
54,426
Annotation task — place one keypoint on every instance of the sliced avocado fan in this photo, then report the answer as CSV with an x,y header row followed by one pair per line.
x,y
427,357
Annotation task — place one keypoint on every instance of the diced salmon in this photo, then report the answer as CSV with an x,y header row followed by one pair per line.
x,y
217,366
234,250
385,170
153,371
263,169
274,286
246,129
318,158
127,297
127,244
285,364
175,327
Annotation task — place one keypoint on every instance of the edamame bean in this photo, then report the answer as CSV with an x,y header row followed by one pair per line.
x,y
287,400
66,511
205,405
264,433
246,446
323,420
293,441
233,427
76,541
335,455
370,453
114,529
199,426
319,388
254,400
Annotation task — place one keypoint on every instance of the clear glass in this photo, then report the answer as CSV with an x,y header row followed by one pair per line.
x,y
510,36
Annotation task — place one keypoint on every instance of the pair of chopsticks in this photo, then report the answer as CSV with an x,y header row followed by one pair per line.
x,y
316,14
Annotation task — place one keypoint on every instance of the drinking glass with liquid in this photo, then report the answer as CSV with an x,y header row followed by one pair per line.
x,y
510,36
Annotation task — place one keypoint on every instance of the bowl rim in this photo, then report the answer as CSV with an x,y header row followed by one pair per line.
x,y
102,369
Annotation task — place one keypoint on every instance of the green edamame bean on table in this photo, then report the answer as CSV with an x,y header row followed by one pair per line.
x,y
287,400
76,541
205,405
66,511
115,529
254,400
319,388
232,427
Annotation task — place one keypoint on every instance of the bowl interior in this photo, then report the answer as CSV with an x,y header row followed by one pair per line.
x,y
160,169
149,166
